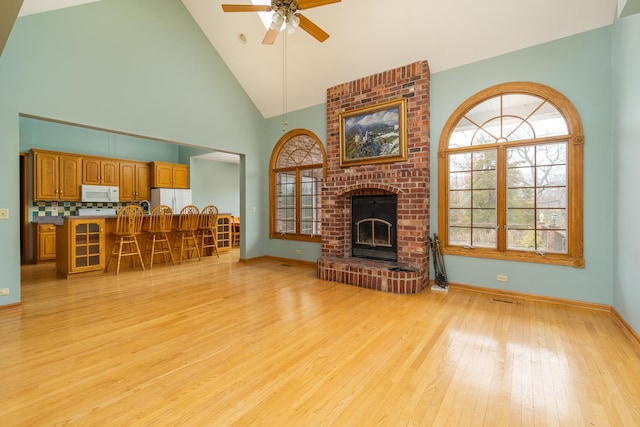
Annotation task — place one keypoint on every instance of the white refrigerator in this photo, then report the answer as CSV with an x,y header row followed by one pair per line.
x,y
175,199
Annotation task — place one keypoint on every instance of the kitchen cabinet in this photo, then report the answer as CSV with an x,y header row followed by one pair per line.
x,y
56,176
80,245
134,181
45,239
169,175
224,232
96,171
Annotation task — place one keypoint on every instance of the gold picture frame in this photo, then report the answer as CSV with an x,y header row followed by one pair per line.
x,y
376,134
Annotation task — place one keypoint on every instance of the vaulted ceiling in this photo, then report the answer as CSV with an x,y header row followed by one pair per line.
x,y
371,36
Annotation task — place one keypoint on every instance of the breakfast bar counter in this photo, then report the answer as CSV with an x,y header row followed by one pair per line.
x,y
83,243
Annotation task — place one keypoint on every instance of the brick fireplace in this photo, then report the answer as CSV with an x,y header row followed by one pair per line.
x,y
407,180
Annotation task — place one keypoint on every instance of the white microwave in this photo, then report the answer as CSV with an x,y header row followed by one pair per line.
x,y
100,193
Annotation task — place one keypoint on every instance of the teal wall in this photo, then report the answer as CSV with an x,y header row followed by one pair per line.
x,y
54,136
140,67
626,77
218,183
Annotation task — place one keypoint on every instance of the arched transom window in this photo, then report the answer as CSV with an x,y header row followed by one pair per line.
x,y
297,170
510,176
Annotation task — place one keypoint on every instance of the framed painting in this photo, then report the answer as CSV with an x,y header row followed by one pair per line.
x,y
376,134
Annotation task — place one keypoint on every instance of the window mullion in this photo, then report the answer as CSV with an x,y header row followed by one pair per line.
x,y
501,188
298,201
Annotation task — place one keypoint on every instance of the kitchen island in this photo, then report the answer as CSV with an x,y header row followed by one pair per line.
x,y
84,243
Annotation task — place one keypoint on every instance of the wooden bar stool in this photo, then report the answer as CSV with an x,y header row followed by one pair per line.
x,y
186,231
128,227
208,229
235,231
160,220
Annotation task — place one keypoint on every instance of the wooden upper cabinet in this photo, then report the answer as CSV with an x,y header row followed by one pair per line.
x,y
134,181
180,176
57,176
162,175
46,176
127,181
143,181
97,171
169,175
70,177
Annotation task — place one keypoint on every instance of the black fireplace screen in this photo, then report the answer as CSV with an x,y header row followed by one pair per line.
x,y
373,227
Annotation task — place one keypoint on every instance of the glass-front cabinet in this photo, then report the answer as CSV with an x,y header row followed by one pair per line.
x,y
86,245
81,246
224,232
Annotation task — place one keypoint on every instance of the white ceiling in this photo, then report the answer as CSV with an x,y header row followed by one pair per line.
x,y
220,156
371,36
30,7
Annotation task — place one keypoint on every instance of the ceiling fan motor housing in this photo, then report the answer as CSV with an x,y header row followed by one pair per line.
x,y
285,8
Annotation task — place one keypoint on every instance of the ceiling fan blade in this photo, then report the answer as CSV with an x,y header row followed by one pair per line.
x,y
245,8
270,37
307,4
312,28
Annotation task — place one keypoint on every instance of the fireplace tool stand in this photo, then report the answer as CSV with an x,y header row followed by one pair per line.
x,y
440,284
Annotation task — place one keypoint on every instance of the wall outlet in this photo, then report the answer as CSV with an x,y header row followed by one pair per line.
x,y
502,278
4,291
4,213
298,251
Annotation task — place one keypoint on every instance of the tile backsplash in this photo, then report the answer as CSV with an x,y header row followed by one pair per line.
x,y
69,208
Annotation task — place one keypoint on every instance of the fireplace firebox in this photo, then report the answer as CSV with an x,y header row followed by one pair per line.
x,y
374,227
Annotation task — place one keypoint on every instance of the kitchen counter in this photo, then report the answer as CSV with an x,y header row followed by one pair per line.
x,y
58,220
55,220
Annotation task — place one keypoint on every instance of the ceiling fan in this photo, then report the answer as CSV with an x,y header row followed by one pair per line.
x,y
285,12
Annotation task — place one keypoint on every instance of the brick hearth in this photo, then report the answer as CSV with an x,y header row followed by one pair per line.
x,y
408,180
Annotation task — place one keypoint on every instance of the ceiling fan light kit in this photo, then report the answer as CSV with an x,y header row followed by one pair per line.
x,y
277,21
292,23
286,12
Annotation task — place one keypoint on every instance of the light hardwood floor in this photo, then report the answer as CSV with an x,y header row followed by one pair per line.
x,y
265,343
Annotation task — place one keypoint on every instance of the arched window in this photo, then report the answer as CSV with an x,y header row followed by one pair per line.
x,y
298,164
510,177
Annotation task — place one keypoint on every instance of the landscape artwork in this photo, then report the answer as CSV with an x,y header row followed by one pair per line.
x,y
374,134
